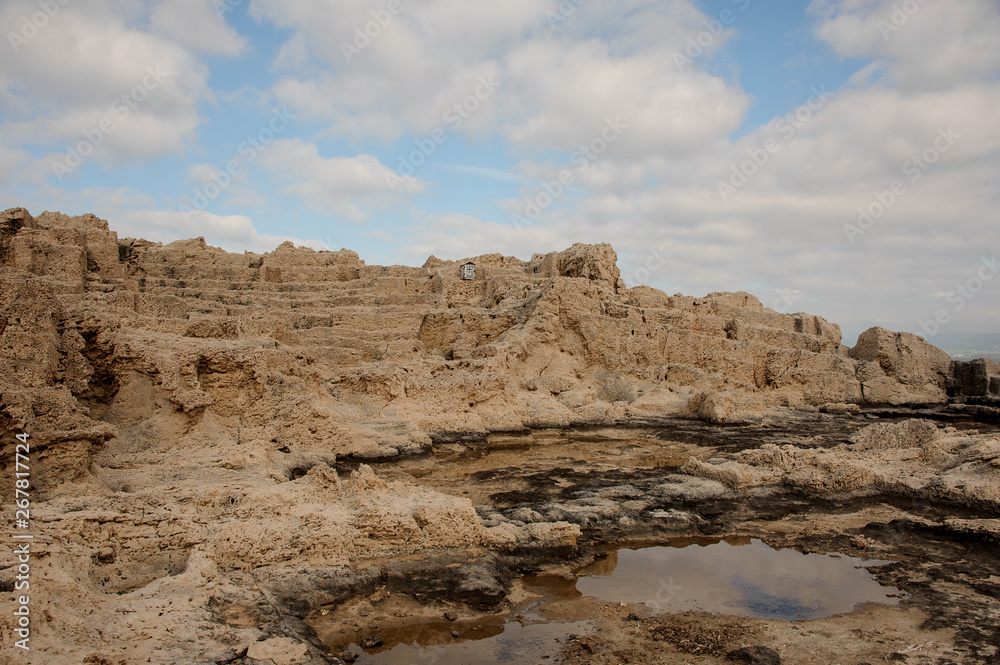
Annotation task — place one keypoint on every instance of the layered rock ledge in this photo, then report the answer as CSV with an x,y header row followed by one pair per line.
x,y
186,407
322,354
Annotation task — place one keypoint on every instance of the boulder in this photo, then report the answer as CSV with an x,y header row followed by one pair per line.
x,y
976,378
920,369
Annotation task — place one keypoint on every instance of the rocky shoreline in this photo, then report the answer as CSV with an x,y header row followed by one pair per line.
x,y
224,446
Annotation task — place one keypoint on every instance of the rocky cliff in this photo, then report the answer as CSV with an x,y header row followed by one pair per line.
x,y
107,339
185,405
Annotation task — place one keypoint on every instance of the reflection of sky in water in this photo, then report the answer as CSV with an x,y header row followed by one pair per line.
x,y
745,580
516,644
762,604
748,579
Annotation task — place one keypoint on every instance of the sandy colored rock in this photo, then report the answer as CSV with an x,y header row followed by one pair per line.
x,y
912,459
278,651
188,408
917,371
906,434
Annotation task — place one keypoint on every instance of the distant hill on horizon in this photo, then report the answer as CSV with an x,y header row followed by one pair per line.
x,y
963,345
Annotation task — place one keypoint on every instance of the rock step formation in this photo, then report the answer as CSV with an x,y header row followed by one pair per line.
x,y
187,407
975,378
322,353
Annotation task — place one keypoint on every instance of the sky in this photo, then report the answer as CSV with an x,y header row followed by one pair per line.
x,y
836,157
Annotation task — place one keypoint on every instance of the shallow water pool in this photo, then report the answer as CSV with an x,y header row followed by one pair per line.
x,y
736,576
740,577
514,643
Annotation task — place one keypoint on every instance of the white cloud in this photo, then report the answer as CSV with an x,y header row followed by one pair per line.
x,y
557,84
89,66
131,213
422,40
197,24
293,54
343,186
456,236
234,233
568,91
12,161
925,45
239,192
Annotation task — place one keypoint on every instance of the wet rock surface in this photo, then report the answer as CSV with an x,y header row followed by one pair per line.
x,y
251,458
755,656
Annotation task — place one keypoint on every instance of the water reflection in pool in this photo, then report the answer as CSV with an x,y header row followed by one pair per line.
x,y
739,577
515,643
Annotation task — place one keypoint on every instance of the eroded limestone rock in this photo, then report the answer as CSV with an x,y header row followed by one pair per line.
x,y
187,406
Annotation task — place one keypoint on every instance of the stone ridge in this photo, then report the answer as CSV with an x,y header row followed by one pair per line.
x,y
188,407
319,352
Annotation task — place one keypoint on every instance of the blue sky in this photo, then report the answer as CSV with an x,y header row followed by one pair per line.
x,y
752,145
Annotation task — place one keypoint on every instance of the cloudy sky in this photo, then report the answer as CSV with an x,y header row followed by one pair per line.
x,y
839,157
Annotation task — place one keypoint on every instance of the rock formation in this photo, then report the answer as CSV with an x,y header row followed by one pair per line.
x,y
186,406
912,460
976,378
